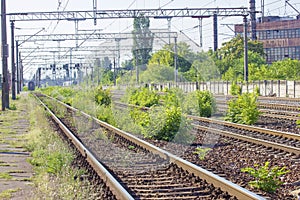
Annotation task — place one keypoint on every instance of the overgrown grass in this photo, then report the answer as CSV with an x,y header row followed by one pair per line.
x,y
52,161
5,175
7,194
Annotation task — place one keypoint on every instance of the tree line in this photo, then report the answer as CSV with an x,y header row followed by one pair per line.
x,y
227,63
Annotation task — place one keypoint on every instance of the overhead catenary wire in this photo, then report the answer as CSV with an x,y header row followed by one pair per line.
x,y
58,20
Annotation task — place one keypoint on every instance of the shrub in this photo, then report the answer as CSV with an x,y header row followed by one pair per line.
x,y
257,91
162,122
64,94
266,178
201,103
140,117
243,109
102,97
235,89
165,123
173,97
105,113
143,97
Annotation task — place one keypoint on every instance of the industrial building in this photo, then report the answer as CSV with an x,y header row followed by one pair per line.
x,y
280,37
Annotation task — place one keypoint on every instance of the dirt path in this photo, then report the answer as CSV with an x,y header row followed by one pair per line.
x,y
15,171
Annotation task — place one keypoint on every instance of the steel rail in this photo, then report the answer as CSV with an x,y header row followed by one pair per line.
x,y
116,188
284,117
263,98
249,128
245,127
280,106
273,145
217,181
269,113
270,105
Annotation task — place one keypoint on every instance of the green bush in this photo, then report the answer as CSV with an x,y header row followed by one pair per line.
x,y
143,97
243,109
257,91
102,97
266,178
164,120
165,123
140,117
200,103
125,122
105,113
235,89
64,94
173,97
25,88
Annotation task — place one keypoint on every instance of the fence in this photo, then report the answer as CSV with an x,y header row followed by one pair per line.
x,y
278,88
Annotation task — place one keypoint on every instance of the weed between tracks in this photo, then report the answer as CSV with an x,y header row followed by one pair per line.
x,y
7,193
52,160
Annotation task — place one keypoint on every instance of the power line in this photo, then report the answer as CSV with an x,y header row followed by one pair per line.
x,y
132,3
166,4
209,3
58,20
272,2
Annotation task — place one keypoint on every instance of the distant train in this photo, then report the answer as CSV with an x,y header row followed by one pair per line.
x,y
31,86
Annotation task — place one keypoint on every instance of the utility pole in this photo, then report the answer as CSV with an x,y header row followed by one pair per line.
x,y
245,49
95,11
169,28
115,76
13,64
17,67
5,86
21,78
200,32
175,60
253,19
262,10
215,27
70,75
137,67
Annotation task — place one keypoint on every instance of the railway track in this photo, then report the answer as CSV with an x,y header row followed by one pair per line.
x,y
263,99
285,141
270,113
235,146
136,169
271,107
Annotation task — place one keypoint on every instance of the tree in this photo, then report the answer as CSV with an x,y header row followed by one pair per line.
x,y
106,63
165,56
142,40
287,69
233,50
128,64
203,69
256,66
155,73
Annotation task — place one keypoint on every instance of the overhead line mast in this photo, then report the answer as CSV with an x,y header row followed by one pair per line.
x,y
129,13
109,14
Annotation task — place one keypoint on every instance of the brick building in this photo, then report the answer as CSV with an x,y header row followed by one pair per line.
x,y
280,37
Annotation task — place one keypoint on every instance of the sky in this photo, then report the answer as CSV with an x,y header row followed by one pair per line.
x,y
188,26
